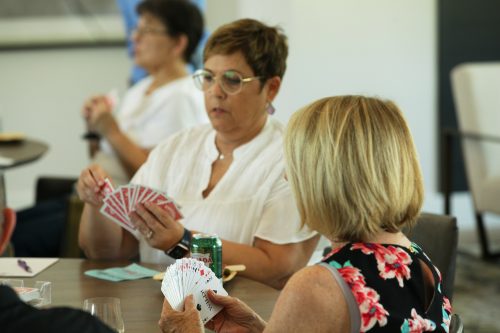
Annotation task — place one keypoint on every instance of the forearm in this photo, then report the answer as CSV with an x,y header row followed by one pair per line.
x,y
131,155
99,237
269,263
260,265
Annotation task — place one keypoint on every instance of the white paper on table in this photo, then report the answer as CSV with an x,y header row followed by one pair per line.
x,y
10,268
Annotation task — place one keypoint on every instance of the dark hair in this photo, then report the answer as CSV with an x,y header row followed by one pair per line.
x,y
180,17
265,48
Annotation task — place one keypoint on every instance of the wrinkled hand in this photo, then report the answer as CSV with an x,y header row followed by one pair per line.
x,y
187,321
97,112
157,226
89,185
235,317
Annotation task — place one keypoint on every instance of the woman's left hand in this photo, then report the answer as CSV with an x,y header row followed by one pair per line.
x,y
157,226
187,321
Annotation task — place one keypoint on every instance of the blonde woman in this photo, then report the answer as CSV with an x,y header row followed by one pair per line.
x,y
354,171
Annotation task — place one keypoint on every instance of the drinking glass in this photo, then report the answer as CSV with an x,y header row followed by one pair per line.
x,y
107,309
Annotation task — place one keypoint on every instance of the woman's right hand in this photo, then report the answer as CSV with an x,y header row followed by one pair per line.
x,y
235,317
97,112
90,185
88,109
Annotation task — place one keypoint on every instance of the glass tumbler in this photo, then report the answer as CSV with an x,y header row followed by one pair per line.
x,y
108,309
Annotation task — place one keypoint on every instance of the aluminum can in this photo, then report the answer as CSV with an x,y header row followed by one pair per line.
x,y
208,248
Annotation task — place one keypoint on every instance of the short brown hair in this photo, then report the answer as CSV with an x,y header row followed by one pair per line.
x,y
353,166
265,48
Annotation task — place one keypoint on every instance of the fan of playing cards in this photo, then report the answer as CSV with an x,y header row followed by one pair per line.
x,y
190,276
120,202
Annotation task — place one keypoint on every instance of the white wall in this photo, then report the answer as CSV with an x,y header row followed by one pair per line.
x,y
385,48
41,93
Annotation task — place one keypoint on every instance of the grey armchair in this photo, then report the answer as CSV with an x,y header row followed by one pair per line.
x,y
476,92
438,237
456,324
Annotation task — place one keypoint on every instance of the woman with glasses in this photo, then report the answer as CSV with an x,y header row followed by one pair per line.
x,y
163,103
227,176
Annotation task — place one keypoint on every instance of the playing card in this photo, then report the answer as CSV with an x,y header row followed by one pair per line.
x,y
165,203
120,202
125,196
114,216
114,200
189,276
107,188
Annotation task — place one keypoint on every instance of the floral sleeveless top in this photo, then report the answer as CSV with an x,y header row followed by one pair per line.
x,y
388,286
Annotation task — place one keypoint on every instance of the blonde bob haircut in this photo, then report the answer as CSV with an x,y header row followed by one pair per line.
x,y
353,167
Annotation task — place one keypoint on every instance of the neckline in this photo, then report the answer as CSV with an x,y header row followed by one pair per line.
x,y
213,151
414,248
420,255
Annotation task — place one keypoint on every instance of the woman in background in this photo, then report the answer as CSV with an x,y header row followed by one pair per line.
x,y
157,106
354,171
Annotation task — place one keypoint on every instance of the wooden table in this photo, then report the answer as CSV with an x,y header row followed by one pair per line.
x,y
16,154
141,300
22,152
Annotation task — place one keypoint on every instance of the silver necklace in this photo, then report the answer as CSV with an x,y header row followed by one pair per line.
x,y
222,156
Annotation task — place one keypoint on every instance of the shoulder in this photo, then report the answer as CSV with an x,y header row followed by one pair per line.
x,y
275,128
140,86
187,141
58,319
317,279
311,293
191,137
134,94
183,88
269,144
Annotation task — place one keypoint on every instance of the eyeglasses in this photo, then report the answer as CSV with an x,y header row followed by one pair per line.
x,y
148,31
230,81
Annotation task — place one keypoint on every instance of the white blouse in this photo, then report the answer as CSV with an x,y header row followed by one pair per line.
x,y
149,119
252,199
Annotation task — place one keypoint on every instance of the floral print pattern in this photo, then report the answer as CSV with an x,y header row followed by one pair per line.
x,y
368,299
373,271
392,262
417,324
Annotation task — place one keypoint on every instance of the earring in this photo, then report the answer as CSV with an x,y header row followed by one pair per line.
x,y
270,108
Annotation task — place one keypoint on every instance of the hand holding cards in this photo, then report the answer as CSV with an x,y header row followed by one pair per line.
x,y
120,202
190,276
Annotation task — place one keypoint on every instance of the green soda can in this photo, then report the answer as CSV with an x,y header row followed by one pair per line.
x,y
208,248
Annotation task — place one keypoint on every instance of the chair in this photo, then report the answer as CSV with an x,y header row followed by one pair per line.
x,y
476,92
438,237
48,188
456,325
